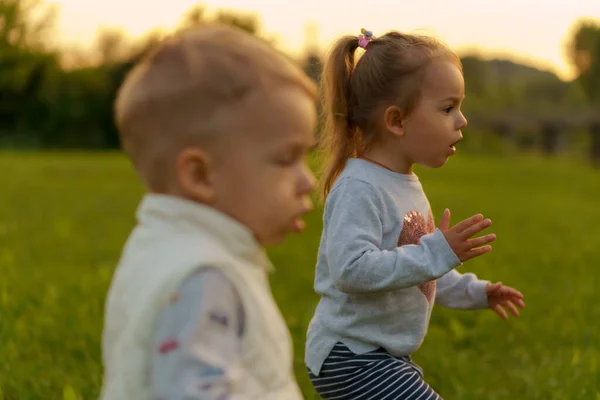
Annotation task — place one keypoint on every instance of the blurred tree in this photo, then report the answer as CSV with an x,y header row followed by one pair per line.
x,y
476,73
25,61
584,54
247,22
25,24
501,86
112,46
47,103
119,57
313,67
198,15
51,98
312,64
195,16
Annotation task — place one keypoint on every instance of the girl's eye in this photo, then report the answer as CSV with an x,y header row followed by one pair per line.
x,y
447,110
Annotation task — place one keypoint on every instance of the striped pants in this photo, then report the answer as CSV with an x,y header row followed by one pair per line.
x,y
376,375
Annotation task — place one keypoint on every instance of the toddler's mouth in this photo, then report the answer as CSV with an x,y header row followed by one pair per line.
x,y
298,224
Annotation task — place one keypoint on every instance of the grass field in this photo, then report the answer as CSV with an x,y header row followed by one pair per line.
x,y
64,218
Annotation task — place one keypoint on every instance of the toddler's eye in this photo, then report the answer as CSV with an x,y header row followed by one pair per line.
x,y
287,160
447,110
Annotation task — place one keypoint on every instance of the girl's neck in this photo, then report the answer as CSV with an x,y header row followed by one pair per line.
x,y
389,161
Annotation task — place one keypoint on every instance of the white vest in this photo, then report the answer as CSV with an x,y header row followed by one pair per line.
x,y
173,238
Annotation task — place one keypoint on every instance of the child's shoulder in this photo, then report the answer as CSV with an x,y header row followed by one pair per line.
x,y
358,169
359,174
353,194
362,184
347,183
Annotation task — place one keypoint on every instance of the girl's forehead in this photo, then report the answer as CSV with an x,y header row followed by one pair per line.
x,y
444,79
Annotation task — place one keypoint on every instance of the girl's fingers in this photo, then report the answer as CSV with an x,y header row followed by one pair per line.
x,y
500,311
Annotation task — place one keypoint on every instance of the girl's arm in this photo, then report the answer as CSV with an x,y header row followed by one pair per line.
x,y
461,291
353,223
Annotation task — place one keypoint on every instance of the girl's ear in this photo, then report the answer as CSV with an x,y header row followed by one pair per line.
x,y
393,120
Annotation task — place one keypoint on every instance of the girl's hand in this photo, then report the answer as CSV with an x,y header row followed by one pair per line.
x,y
459,236
503,296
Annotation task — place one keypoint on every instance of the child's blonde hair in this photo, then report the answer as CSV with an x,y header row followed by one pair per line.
x,y
389,73
185,91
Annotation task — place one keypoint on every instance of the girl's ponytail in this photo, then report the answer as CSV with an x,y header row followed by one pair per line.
x,y
338,140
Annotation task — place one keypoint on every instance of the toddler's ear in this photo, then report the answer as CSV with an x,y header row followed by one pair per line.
x,y
194,175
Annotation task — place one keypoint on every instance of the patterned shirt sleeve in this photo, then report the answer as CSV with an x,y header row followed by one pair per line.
x,y
198,340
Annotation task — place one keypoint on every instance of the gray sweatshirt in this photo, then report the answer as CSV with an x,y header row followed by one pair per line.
x,y
381,266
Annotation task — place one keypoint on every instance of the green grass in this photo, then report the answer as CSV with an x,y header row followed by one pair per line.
x,y
64,218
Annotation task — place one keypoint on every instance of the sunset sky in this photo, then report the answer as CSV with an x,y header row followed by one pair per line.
x,y
533,31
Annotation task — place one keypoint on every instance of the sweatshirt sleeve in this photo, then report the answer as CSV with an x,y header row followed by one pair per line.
x,y
357,263
461,291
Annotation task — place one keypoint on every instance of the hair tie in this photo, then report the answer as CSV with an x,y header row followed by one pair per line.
x,y
364,38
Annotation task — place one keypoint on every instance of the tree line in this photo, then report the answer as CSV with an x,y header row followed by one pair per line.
x,y
53,97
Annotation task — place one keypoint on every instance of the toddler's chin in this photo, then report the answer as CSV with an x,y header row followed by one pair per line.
x,y
272,238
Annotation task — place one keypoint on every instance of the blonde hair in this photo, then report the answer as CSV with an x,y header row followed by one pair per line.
x,y
389,73
183,93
